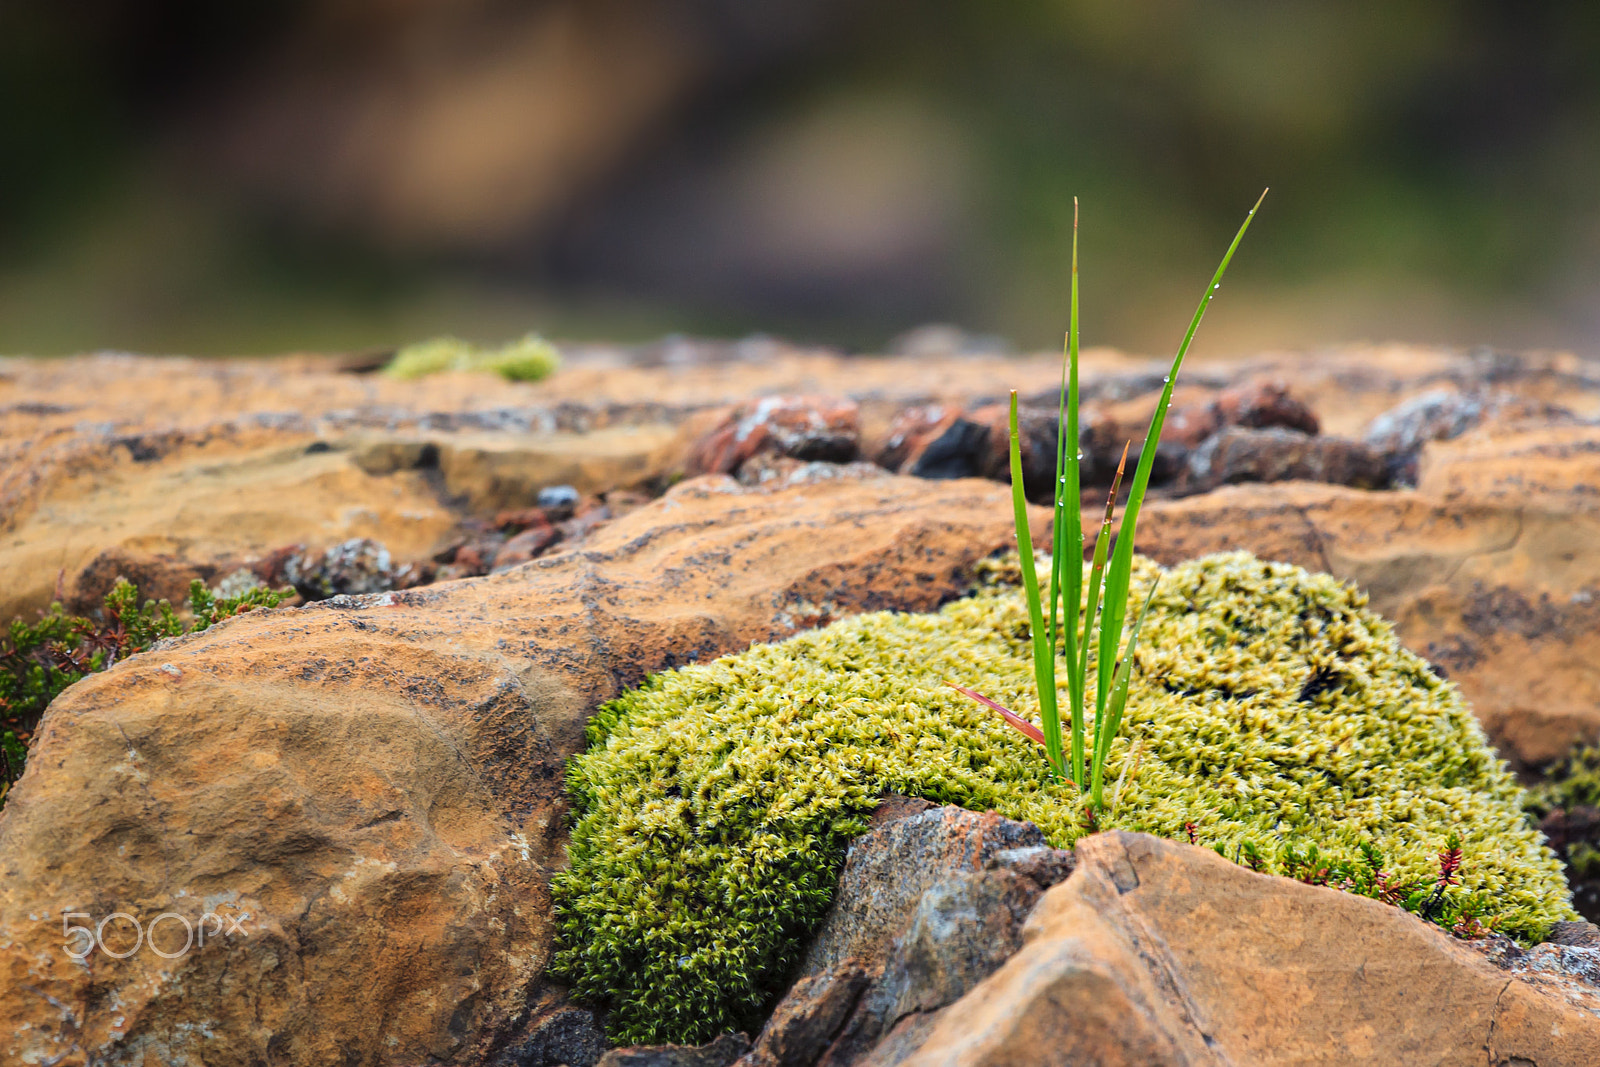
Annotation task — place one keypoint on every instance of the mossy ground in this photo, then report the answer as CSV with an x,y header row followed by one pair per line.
x,y
1269,708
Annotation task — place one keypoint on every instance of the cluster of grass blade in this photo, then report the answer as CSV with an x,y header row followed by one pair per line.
x,y
1099,621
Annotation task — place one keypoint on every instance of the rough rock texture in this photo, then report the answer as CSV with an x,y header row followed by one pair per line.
x,y
794,427
1235,455
375,782
928,906
1158,953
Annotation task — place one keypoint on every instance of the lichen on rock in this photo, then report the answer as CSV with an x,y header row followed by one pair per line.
x,y
1270,710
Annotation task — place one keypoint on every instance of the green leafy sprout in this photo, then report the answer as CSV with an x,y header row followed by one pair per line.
x,y
1107,585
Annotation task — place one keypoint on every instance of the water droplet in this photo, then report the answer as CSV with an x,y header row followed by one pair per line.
x,y
1217,286
1165,378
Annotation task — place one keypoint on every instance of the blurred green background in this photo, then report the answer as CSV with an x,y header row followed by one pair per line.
x,y
180,176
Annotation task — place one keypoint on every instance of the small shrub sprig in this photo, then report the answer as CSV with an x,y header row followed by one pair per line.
x,y
1108,586
1371,877
39,660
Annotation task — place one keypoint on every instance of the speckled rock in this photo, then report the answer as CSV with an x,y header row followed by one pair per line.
x,y
927,907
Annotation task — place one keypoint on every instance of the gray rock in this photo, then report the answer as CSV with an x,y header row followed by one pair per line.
x,y
1236,454
929,904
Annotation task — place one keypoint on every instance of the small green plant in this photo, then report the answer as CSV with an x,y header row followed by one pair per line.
x,y
38,661
527,359
1066,590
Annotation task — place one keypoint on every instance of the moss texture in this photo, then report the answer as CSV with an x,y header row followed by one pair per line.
x,y
1269,710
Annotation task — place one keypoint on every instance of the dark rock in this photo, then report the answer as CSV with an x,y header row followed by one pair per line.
x,y
1262,405
1574,832
928,906
960,450
719,1053
1579,934
558,502
555,1032
911,431
811,428
1235,455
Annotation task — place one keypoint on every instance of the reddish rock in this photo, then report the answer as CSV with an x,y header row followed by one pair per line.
x,y
1263,405
525,546
815,428
910,432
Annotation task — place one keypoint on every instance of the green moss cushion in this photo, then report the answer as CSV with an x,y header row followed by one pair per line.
x,y
1269,708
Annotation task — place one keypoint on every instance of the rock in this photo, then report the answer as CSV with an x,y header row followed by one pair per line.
x,y
1258,405
372,785
977,444
1573,832
1235,455
360,565
807,428
928,905
558,502
1155,953
1264,405
1403,431
1579,934
555,1032
910,432
526,545
769,471
719,1053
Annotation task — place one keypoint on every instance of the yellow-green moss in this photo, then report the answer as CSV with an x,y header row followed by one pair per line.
x,y
527,359
1269,709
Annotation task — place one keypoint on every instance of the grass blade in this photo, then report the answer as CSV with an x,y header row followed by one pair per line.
x,y
1022,726
1121,567
1068,527
1044,651
1097,569
1106,731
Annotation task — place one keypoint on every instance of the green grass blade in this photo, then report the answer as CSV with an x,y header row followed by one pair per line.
x,y
1097,569
1118,700
1121,567
1069,520
1044,652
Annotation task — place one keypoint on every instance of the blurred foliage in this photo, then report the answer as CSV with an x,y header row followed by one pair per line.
x,y
526,359
1432,166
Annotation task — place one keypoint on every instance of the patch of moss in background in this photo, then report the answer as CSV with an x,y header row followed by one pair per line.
x,y
1270,712
527,359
